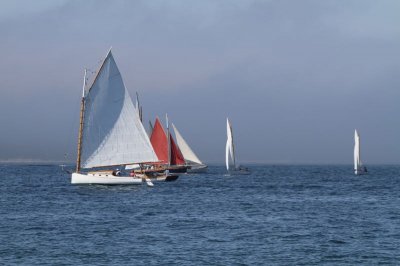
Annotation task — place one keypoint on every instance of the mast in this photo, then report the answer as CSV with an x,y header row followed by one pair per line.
x,y
168,141
81,117
78,159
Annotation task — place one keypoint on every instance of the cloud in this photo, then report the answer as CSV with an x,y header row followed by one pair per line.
x,y
295,77
15,9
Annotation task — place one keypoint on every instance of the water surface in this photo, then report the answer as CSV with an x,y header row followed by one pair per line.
x,y
278,215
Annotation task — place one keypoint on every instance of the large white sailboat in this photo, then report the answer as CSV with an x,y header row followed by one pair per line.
x,y
191,159
110,133
230,158
359,169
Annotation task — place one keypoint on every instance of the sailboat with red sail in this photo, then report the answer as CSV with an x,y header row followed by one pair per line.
x,y
170,158
168,153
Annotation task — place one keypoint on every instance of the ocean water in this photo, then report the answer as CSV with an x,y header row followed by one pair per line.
x,y
278,215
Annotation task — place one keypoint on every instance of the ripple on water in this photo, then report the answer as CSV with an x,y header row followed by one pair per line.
x,y
278,215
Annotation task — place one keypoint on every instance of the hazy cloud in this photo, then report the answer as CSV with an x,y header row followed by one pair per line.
x,y
295,77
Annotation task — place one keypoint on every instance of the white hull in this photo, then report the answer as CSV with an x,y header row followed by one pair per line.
x,y
104,179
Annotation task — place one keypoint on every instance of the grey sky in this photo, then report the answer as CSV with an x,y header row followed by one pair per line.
x,y
294,77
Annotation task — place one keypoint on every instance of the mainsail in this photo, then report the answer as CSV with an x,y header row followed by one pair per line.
x,y
187,152
230,149
111,134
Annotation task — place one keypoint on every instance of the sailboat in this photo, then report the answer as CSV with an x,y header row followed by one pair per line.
x,y
191,159
109,135
230,159
166,149
359,169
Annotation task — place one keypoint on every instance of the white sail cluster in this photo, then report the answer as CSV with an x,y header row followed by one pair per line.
x,y
113,133
357,159
229,149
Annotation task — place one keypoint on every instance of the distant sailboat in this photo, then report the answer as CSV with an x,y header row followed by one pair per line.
x,y
230,158
109,135
191,159
359,169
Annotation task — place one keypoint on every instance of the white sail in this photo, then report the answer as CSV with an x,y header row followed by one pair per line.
x,y
187,152
357,160
113,133
229,149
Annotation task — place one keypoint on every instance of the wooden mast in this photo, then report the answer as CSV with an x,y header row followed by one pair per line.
x,y
80,135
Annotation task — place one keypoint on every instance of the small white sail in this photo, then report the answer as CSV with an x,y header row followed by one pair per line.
x,y
359,168
112,135
227,148
187,152
357,160
230,148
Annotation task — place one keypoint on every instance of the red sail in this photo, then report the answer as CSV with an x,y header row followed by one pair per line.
x,y
176,154
159,142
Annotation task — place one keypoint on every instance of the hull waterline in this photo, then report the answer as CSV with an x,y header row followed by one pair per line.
x,y
197,169
104,179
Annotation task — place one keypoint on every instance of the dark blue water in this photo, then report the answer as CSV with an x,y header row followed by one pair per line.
x,y
279,215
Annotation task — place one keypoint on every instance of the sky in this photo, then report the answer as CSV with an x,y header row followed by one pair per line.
x,y
295,78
